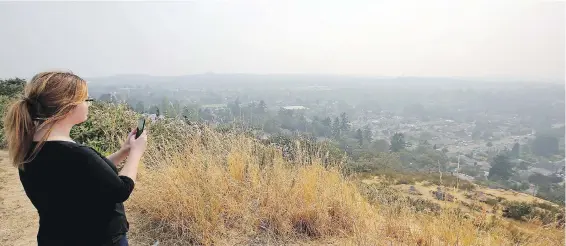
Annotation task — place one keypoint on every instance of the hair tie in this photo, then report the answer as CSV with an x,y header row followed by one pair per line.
x,y
31,103
27,100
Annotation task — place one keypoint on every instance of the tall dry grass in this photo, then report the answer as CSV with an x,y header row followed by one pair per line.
x,y
229,189
214,189
197,186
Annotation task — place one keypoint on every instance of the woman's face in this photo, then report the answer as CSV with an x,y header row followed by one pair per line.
x,y
79,114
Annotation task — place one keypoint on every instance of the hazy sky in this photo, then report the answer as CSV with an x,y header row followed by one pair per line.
x,y
517,39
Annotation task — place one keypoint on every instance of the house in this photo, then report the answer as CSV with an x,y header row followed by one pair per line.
x,y
215,107
294,108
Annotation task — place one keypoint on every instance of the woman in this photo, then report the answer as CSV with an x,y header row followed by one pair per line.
x,y
77,192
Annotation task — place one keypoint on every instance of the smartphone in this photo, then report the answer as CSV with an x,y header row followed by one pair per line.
x,y
141,126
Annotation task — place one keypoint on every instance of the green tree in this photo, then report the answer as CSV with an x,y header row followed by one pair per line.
x,y
287,120
545,145
501,168
327,122
235,108
336,128
360,137
317,128
4,100
271,126
301,122
205,115
367,134
190,112
379,145
344,122
473,171
261,108
140,108
169,109
12,87
9,89
515,150
489,144
543,180
397,142
175,108
153,110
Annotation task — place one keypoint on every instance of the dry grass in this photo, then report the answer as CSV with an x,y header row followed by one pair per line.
x,y
229,189
197,186
221,188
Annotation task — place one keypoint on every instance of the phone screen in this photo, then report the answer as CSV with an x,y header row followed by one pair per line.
x,y
141,125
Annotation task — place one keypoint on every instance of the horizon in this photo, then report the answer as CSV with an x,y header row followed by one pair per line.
x,y
485,79
353,76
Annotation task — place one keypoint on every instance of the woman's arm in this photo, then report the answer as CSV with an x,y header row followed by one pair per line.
x,y
137,147
100,180
130,169
119,156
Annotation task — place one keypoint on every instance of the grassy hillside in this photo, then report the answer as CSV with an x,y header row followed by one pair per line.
x,y
199,186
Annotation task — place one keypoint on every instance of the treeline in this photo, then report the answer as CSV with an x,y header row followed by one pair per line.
x,y
9,89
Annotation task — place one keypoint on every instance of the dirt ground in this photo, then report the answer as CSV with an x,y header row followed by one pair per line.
x,y
18,217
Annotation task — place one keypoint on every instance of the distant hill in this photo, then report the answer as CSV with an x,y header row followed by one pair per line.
x,y
243,79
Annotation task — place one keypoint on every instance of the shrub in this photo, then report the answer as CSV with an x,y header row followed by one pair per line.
x,y
466,185
491,201
4,102
516,210
423,205
546,206
472,206
405,181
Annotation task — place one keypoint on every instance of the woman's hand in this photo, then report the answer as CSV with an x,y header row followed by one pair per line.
x,y
137,146
126,146
124,151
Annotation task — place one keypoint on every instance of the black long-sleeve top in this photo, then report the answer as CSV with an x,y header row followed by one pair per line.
x,y
78,195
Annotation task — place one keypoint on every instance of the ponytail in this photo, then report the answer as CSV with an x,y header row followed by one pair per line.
x,y
19,129
49,97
